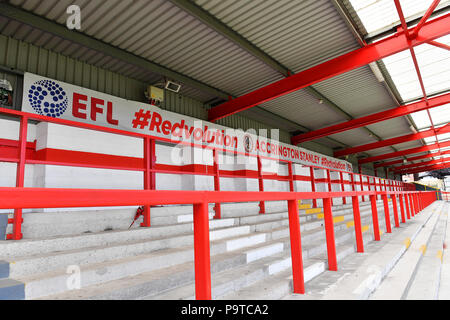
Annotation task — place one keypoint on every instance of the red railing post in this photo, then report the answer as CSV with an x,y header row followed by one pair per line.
x,y
329,184
202,257
20,178
291,176
408,210
376,226
358,228
341,175
411,205
313,185
149,176
386,213
296,247
329,232
402,208
262,205
217,206
352,175
362,185
416,202
394,204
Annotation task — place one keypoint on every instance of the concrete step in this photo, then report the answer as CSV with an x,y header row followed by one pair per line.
x,y
397,281
36,264
231,281
168,277
4,269
279,285
15,249
360,274
444,283
42,225
39,225
11,290
44,263
56,244
239,243
426,281
264,268
112,255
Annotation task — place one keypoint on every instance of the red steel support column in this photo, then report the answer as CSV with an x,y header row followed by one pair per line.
x,y
329,184
262,205
411,205
149,176
20,178
387,217
362,185
341,175
329,231
358,228
402,208
313,184
376,227
416,202
296,248
408,210
419,201
202,256
394,204
217,207
291,177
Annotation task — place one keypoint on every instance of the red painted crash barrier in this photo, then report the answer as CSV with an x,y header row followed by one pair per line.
x,y
31,198
20,198
22,153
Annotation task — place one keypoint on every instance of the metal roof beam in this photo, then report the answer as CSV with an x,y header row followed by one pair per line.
x,y
220,27
439,45
56,29
415,165
373,118
443,165
223,29
431,30
423,157
405,152
392,141
425,17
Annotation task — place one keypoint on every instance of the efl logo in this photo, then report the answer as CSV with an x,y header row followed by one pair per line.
x,y
48,98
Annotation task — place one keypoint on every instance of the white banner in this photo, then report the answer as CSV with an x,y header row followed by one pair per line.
x,y
65,101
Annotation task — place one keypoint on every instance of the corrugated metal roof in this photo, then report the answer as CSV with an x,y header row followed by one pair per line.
x,y
163,33
376,16
298,34
304,109
386,16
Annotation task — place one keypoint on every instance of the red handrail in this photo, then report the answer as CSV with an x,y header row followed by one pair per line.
x,y
150,168
61,198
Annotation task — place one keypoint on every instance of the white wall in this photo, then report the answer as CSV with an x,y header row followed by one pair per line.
x,y
48,135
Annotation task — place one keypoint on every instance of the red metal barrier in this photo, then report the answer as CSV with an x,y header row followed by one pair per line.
x,y
358,227
376,227
31,198
20,153
386,213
